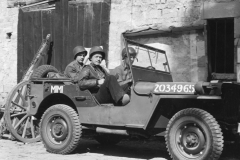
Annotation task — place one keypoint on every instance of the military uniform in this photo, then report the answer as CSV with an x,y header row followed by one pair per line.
x,y
72,70
110,91
122,72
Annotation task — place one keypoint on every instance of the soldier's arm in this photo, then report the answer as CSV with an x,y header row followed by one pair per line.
x,y
125,82
85,81
119,75
70,72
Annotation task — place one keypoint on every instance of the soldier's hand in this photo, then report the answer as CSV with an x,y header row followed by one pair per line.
x,y
101,81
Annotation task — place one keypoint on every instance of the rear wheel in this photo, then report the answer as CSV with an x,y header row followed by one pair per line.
x,y
60,129
108,139
194,134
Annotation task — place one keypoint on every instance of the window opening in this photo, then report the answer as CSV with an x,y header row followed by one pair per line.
x,y
220,47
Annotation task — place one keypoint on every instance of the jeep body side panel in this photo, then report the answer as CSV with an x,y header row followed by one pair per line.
x,y
143,111
79,98
45,93
171,104
36,97
135,114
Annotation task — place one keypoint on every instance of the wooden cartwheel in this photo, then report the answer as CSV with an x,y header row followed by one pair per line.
x,y
21,124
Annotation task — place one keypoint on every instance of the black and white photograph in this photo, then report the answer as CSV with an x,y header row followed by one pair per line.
x,y
120,79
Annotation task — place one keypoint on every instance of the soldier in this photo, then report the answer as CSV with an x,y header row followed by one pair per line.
x,y
96,79
76,66
123,70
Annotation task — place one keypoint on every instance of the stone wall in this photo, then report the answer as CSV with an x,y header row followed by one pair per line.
x,y
186,51
8,49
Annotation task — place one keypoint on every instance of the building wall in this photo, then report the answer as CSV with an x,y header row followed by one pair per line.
x,y
8,49
186,51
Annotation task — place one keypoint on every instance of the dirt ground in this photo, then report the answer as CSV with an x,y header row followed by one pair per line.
x,y
89,149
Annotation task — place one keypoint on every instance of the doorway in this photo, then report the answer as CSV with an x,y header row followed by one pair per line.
x,y
220,48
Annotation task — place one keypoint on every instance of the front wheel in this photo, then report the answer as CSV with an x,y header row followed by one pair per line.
x,y
60,129
194,134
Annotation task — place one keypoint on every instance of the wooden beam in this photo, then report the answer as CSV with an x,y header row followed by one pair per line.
x,y
15,3
39,7
33,1
39,3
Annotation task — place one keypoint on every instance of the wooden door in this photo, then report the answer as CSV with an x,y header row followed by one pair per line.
x,y
85,24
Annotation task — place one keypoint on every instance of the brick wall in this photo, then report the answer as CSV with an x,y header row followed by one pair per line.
x,y
185,52
8,49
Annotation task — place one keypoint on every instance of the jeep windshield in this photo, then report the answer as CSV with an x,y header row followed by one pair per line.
x,y
149,57
150,64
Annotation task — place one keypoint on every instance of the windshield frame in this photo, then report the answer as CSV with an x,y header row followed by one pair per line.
x,y
131,42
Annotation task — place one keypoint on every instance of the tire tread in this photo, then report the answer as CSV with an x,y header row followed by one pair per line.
x,y
217,146
42,70
77,129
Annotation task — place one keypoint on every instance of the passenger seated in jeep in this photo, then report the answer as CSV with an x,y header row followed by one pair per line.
x,y
103,86
73,69
123,71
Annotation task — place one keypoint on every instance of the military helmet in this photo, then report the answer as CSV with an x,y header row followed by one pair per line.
x,y
79,49
131,52
96,49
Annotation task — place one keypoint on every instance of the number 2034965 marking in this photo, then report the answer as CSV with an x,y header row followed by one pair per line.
x,y
175,88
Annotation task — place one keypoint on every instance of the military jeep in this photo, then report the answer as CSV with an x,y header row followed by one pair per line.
x,y
189,115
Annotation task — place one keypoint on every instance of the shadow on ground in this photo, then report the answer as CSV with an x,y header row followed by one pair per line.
x,y
231,152
144,149
139,149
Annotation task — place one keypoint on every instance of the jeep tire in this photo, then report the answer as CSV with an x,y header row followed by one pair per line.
x,y
42,71
60,129
194,134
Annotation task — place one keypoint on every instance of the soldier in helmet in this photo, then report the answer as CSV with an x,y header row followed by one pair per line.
x,y
72,69
96,79
123,70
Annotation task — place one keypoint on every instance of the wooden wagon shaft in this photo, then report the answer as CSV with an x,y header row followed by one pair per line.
x,y
37,59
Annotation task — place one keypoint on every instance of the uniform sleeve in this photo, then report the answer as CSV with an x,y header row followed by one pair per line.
x,y
85,81
119,74
70,71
